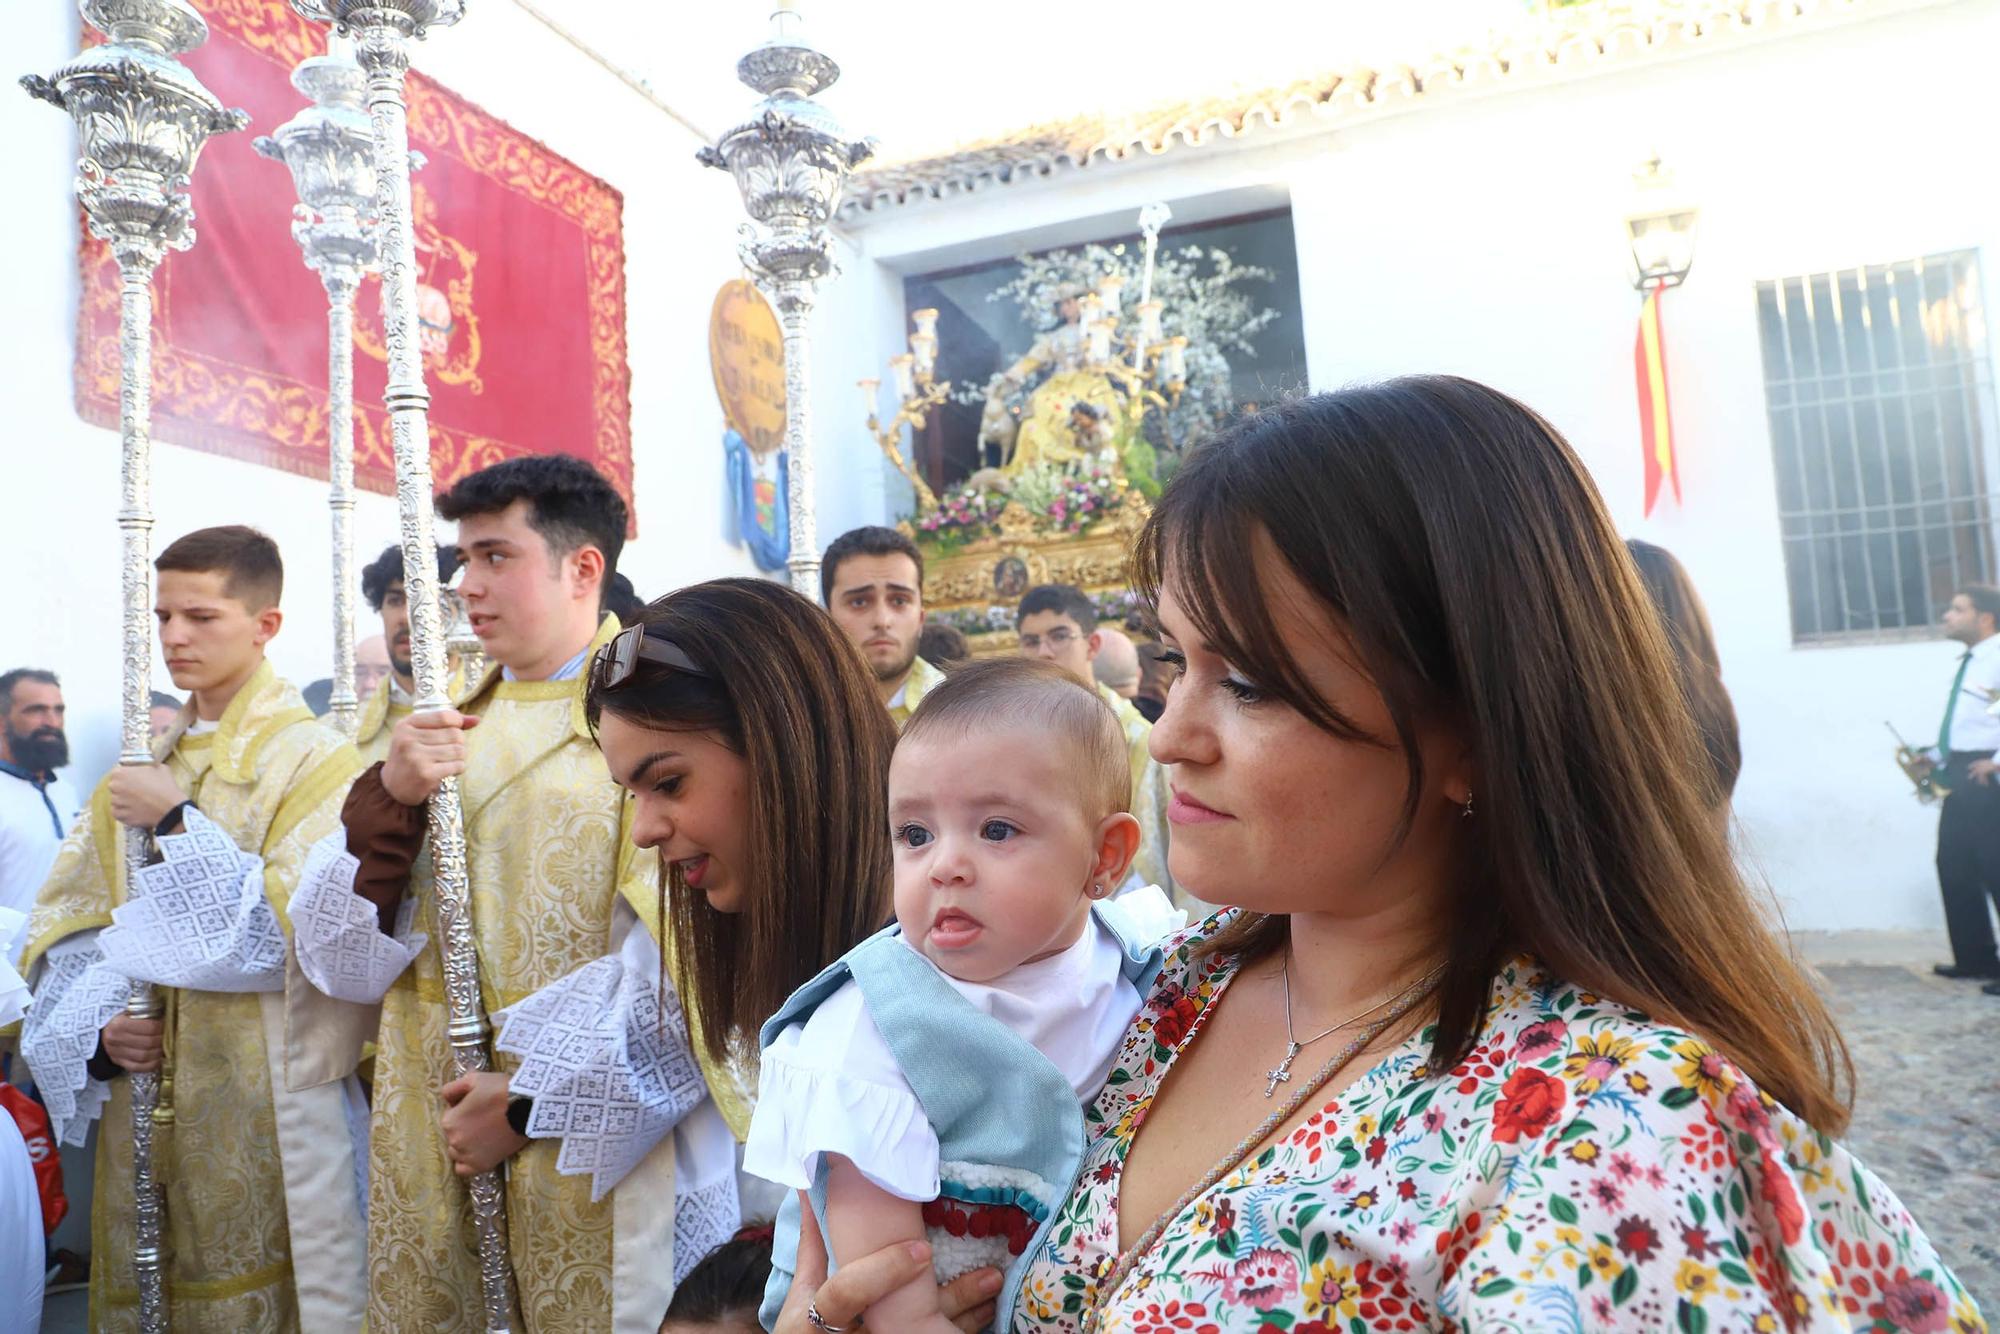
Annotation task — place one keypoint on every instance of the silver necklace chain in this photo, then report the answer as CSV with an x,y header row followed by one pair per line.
x,y
1282,1074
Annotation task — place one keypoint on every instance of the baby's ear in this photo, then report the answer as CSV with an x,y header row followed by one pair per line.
x,y
1117,845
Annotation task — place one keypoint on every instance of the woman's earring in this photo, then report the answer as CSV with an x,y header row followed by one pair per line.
x,y
1097,891
1465,811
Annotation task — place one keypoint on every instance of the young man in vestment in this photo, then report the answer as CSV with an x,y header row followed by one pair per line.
x,y
1058,623
262,1142
872,580
620,1165
393,698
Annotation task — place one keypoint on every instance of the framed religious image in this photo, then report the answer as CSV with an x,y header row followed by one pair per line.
x,y
1010,577
1030,401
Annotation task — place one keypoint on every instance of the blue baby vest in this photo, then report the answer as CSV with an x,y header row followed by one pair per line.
x,y
1009,1128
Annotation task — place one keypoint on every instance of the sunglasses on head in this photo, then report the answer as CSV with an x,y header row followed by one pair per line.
x,y
618,661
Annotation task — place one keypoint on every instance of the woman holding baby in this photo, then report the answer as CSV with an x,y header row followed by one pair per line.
x,y
1492,1034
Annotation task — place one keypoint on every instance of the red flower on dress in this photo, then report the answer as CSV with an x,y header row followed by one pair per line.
x,y
1529,1103
1915,1304
1638,1238
1168,1317
1171,1025
1783,1197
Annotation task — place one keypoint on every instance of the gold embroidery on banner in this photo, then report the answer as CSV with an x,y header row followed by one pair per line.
x,y
447,323
253,414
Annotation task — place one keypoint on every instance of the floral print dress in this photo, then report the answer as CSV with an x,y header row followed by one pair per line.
x,y
1583,1169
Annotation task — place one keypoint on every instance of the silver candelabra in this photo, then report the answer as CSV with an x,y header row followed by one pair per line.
x,y
329,147
790,160
382,31
142,118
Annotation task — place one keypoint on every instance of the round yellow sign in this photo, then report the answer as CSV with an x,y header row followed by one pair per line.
x,y
746,352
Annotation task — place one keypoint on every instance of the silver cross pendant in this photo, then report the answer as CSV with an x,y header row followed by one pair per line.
x,y
1283,1074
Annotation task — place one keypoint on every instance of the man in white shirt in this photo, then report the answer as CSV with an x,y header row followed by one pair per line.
x,y
1968,853
37,808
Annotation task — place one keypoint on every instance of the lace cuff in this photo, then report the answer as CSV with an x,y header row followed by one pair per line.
x,y
77,996
338,934
199,919
604,1054
805,1112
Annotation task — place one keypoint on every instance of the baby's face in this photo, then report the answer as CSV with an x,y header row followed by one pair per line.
x,y
994,851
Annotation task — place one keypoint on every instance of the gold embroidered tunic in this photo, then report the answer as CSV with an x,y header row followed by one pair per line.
x,y
549,857
243,1152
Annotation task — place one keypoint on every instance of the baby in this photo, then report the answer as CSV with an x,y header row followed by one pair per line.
x,y
931,1084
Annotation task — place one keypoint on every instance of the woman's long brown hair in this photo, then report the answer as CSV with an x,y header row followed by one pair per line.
x,y
1459,542
784,689
1696,660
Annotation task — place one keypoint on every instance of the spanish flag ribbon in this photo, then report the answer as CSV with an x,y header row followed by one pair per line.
x,y
1656,429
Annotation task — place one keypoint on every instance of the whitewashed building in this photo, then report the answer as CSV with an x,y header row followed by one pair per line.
x,y
1830,367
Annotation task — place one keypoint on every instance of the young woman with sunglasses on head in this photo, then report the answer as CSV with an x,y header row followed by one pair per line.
x,y
756,752
1494,1035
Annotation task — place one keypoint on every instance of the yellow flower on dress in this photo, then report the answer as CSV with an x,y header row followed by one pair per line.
x,y
1766,1323
1639,1082
1694,1281
1330,1290
1598,1057
1570,1237
1583,1151
1702,1069
1604,1263
1044,1302
1204,1216
1364,1126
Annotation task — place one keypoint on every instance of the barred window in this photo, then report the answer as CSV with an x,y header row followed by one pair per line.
x,y
1880,390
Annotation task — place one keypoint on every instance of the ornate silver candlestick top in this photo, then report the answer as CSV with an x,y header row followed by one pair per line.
x,y
330,148
142,118
791,160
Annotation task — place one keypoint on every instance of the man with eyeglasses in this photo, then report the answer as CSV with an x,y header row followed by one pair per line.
x,y
1058,622
587,1102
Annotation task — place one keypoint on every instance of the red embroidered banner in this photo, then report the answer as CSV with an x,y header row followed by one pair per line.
x,y
521,266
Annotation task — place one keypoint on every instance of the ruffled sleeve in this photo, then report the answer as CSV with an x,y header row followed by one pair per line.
x,y
1680,1196
831,1085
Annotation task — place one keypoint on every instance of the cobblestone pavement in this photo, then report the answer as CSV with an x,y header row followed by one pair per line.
x,y
1927,1106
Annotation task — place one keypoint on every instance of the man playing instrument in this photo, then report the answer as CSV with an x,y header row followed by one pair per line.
x,y
1968,848
252,1142
395,696
601,1224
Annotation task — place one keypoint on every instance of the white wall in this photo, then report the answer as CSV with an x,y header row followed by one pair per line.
x,y
58,543
1483,237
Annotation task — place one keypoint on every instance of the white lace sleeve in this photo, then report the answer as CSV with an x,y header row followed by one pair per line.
x,y
337,933
605,1056
707,1209
13,991
76,995
831,1085
200,919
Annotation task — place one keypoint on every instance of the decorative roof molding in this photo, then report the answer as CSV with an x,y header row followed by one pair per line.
x,y
1572,43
